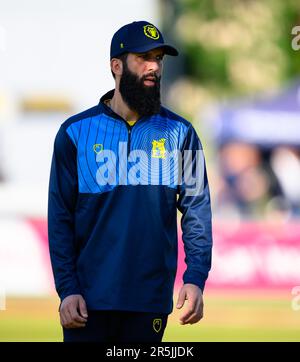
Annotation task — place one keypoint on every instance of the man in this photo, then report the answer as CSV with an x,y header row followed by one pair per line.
x,y
113,201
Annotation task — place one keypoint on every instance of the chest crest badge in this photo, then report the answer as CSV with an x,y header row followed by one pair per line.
x,y
158,148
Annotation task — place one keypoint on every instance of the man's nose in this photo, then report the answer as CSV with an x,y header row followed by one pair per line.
x,y
153,65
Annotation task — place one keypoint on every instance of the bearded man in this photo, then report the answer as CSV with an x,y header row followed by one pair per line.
x,y
113,244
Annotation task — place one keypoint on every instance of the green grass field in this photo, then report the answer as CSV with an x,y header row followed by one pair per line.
x,y
230,316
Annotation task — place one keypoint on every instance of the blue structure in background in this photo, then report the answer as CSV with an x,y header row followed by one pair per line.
x,y
268,121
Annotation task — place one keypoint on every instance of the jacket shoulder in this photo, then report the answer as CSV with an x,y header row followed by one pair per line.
x,y
175,117
90,112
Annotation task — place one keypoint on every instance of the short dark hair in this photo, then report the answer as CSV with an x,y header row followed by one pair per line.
x,y
123,58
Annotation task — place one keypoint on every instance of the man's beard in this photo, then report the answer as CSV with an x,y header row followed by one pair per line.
x,y
145,100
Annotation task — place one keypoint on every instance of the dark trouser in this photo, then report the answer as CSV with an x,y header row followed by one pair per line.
x,y
119,326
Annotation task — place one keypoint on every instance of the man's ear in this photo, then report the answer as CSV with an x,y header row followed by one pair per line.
x,y
116,66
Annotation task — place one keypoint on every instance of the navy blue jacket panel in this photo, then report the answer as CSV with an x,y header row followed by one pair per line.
x,y
112,207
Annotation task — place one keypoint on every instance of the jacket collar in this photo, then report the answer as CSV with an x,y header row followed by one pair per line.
x,y
106,109
107,95
109,111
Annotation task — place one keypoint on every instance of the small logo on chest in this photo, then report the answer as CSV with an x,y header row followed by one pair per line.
x,y
98,147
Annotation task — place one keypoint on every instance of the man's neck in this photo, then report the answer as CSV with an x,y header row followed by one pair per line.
x,y
118,105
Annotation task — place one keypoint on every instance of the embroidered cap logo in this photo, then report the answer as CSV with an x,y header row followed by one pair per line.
x,y
151,32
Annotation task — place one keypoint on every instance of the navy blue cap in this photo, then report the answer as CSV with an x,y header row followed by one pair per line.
x,y
138,37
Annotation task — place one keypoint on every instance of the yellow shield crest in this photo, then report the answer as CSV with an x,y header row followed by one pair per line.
x,y
151,32
157,324
158,148
98,147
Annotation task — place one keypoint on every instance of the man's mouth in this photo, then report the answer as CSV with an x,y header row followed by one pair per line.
x,y
150,81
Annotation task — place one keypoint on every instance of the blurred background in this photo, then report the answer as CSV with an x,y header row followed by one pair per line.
x,y
237,79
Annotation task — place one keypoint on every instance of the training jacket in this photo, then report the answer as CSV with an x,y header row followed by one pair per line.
x,y
116,243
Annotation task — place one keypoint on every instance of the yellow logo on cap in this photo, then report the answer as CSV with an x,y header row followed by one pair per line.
x,y
151,32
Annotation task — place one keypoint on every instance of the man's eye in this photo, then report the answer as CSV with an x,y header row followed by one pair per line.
x,y
148,57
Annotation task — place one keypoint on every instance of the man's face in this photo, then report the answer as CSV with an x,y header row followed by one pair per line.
x,y
140,81
146,65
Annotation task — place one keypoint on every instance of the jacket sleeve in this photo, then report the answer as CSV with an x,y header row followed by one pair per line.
x,y
62,197
194,204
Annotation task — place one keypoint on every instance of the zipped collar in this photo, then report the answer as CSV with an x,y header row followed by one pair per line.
x,y
106,109
107,95
111,113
